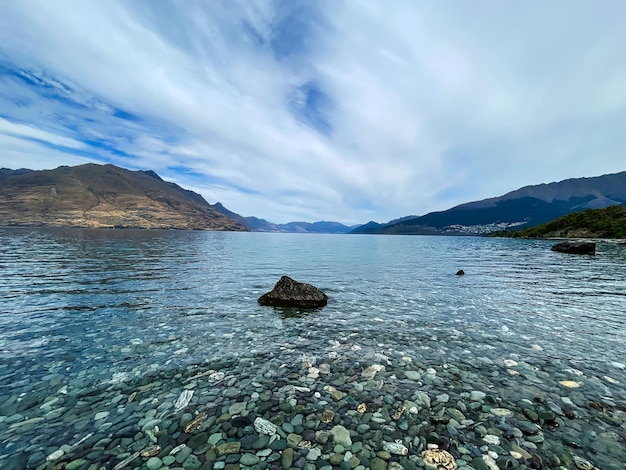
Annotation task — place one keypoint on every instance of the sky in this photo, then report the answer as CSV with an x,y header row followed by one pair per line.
x,y
319,110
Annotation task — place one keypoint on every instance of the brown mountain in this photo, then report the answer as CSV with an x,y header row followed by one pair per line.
x,y
103,196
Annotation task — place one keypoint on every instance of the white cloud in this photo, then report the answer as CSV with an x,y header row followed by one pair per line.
x,y
327,110
22,131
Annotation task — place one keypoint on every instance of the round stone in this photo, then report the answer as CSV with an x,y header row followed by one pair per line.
x,y
249,459
154,463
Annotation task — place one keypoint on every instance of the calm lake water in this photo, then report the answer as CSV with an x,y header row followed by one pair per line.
x,y
89,317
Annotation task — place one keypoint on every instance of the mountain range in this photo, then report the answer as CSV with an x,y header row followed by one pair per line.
x,y
522,208
254,224
93,195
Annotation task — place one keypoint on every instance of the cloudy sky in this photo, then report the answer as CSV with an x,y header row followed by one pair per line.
x,y
319,110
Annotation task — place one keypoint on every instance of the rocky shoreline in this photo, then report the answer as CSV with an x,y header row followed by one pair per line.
x,y
337,410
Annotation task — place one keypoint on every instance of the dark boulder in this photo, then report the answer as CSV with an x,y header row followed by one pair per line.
x,y
578,248
290,293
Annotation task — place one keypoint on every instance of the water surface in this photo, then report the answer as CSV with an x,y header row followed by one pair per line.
x,y
90,308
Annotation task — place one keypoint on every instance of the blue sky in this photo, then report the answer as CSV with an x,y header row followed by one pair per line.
x,y
319,110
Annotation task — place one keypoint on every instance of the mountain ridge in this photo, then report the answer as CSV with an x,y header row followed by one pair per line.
x,y
103,196
524,207
254,224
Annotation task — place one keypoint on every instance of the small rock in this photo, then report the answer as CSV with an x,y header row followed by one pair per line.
x,y
263,426
503,412
378,464
412,375
578,248
228,448
287,458
56,455
314,454
582,464
395,448
290,293
440,459
492,440
153,463
569,384
249,460
341,436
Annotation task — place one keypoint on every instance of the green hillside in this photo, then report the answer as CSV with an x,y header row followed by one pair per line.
x,y
609,222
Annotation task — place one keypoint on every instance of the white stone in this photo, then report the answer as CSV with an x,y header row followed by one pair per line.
x,y
503,412
477,395
443,398
395,448
101,415
263,426
183,400
341,436
413,375
422,398
492,440
491,463
56,455
314,454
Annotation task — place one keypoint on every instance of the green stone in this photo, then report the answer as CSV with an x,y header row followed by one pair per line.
x,y
379,464
74,464
228,448
279,444
531,415
294,439
287,458
479,464
192,463
527,427
248,460
153,463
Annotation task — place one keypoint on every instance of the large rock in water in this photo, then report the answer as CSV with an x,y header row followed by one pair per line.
x,y
578,248
290,293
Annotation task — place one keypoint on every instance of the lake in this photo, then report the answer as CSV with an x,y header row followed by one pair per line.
x,y
148,349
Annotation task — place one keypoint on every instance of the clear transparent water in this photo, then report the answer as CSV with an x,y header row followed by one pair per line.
x,y
105,305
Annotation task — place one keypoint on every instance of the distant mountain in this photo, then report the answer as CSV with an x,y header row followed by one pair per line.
x,y
609,222
252,224
103,196
315,227
255,224
375,227
525,207
4,172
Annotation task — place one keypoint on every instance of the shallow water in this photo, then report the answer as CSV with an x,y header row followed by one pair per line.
x,y
87,316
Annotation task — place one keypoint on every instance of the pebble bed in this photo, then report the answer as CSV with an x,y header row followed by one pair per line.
x,y
359,404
